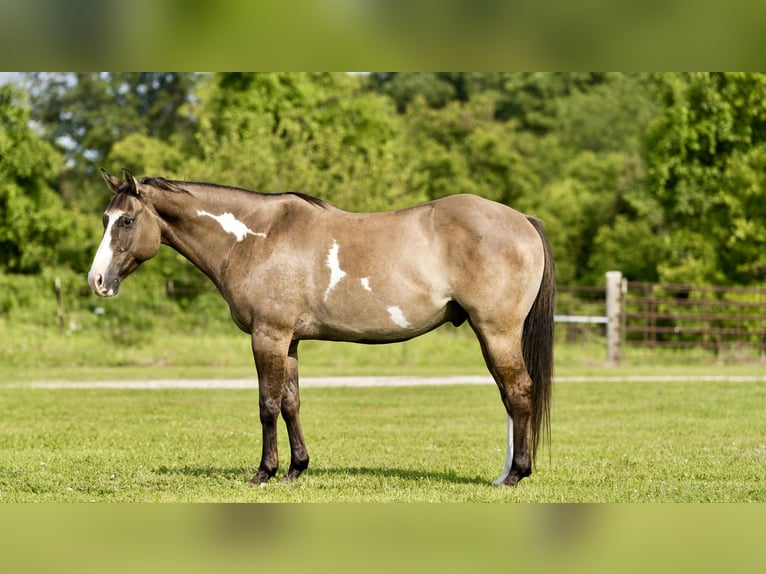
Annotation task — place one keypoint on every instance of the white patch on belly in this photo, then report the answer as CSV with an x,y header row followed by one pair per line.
x,y
231,224
336,273
365,281
398,317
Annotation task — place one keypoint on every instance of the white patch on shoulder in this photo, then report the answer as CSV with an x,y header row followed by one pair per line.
x,y
333,263
397,316
365,281
231,224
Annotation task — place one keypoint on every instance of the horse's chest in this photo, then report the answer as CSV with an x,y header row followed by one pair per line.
x,y
256,301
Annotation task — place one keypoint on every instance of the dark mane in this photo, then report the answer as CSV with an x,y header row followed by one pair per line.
x,y
180,186
164,184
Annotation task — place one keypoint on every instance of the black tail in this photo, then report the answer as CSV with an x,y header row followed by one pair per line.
x,y
537,345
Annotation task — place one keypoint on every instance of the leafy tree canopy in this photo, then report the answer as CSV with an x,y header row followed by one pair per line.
x,y
35,231
660,175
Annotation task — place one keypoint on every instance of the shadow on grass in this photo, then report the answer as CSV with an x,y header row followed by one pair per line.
x,y
405,474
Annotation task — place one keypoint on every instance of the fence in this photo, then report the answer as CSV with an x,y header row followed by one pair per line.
x,y
594,306
683,316
622,314
653,315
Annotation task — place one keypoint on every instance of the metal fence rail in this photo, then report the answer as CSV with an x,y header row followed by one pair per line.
x,y
662,315
686,316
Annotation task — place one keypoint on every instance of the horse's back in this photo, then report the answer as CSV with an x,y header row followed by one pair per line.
x,y
460,239
473,211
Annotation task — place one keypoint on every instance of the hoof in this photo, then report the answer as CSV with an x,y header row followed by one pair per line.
x,y
513,477
260,479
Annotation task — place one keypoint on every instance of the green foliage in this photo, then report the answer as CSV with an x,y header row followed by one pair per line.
x,y
35,231
404,87
534,98
147,154
86,113
315,133
706,155
631,246
462,149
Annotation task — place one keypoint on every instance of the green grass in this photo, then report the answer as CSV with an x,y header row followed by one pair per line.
x,y
693,441
612,442
30,353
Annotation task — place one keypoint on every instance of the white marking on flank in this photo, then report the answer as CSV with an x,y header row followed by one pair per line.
x,y
336,273
365,281
398,317
508,454
231,224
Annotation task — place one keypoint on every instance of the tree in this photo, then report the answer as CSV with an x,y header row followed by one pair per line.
x,y
35,231
706,157
404,87
602,129
84,114
532,98
462,149
316,133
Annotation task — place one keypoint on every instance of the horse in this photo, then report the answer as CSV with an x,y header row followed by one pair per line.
x,y
293,267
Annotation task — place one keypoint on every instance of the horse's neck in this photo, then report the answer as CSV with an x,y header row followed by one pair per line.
x,y
205,226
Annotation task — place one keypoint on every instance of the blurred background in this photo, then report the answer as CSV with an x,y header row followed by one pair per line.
x,y
657,175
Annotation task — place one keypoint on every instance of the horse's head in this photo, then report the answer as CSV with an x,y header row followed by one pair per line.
x,y
131,235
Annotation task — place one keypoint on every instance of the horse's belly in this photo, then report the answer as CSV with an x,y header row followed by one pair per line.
x,y
379,321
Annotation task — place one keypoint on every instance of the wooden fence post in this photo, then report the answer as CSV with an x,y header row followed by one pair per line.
x,y
613,316
59,303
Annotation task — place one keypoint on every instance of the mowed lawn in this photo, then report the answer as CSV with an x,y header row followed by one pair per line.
x,y
689,441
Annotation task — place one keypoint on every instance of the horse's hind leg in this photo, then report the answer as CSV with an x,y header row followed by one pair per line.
x,y
291,404
505,362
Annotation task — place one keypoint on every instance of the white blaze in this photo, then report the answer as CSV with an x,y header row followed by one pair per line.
x,y
365,281
104,254
397,316
231,224
333,263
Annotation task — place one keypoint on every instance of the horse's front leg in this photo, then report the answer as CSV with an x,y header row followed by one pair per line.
x,y
270,354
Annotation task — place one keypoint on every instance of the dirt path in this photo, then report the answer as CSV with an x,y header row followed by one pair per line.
x,y
400,381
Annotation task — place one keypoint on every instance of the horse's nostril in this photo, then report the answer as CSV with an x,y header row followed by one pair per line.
x,y
99,280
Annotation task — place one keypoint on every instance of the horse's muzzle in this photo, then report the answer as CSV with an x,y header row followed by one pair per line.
x,y
103,286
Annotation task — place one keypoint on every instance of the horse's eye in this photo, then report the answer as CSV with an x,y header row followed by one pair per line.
x,y
125,221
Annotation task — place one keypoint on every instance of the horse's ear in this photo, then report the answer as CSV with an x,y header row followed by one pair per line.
x,y
131,181
112,182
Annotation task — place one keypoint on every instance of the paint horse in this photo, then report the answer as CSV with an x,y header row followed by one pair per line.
x,y
292,267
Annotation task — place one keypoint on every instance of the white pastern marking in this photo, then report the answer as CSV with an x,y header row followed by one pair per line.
x,y
336,273
398,317
508,454
231,224
365,281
